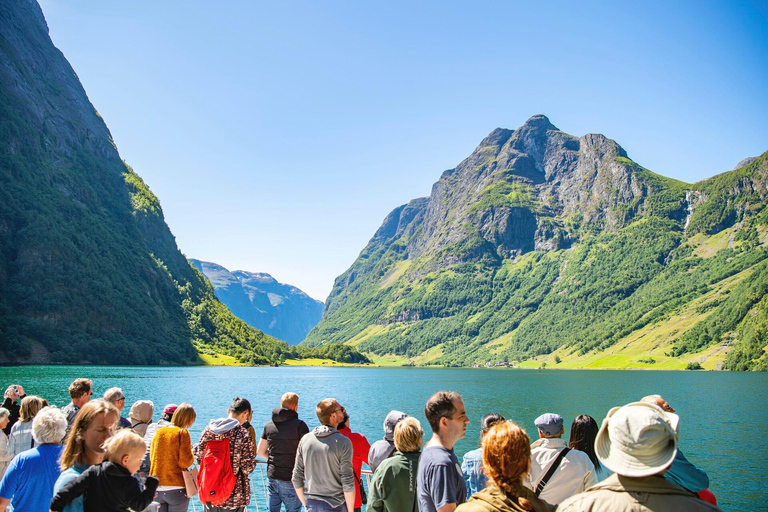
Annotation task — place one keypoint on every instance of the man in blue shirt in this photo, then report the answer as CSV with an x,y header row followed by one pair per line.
x,y
440,484
682,472
28,482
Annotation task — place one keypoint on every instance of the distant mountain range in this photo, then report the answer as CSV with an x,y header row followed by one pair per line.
x,y
542,248
277,309
89,271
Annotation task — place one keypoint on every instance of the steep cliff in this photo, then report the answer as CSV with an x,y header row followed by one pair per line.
x,y
89,271
544,243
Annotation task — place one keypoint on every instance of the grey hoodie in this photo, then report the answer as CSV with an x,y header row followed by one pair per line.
x,y
383,448
222,425
324,466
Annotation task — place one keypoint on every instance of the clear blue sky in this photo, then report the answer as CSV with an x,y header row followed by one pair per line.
x,y
278,135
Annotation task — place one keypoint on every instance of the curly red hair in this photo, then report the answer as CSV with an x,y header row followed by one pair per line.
x,y
506,459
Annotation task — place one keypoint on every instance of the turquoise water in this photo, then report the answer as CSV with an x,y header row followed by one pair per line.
x,y
723,427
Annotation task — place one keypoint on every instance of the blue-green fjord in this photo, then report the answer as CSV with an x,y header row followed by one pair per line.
x,y
723,414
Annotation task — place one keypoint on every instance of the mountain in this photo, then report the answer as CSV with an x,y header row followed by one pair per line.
x,y
89,271
279,310
542,247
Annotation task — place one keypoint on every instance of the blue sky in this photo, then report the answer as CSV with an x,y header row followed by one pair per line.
x,y
278,135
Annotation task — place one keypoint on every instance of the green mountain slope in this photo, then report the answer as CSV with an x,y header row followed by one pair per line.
x,y
542,247
89,271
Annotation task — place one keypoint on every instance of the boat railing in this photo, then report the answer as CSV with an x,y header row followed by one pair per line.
x,y
260,489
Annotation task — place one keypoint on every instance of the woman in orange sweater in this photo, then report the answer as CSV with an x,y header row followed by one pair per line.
x,y
170,455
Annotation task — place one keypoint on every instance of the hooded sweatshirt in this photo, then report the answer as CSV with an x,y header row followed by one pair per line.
x,y
241,456
108,487
324,466
384,448
493,499
283,434
141,416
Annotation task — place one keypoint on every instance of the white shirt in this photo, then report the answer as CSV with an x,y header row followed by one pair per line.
x,y
575,474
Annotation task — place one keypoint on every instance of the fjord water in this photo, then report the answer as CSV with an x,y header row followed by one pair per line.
x,y
723,427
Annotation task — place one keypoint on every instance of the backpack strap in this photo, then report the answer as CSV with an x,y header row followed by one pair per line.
x,y
551,470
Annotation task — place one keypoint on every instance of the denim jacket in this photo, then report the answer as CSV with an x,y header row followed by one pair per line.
x,y
472,467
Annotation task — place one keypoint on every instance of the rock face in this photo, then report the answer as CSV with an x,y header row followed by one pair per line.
x,y
89,271
518,247
279,310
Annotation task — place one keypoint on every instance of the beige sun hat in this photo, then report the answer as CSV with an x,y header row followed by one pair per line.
x,y
638,439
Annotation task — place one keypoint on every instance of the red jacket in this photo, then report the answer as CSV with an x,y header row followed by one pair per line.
x,y
360,449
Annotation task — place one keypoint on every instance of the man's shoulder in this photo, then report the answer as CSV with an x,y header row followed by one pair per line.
x,y
436,456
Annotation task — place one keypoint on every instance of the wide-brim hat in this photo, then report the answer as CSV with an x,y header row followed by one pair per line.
x,y
637,440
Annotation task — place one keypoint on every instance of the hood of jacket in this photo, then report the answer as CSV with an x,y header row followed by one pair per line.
x,y
223,425
324,431
392,419
281,415
142,412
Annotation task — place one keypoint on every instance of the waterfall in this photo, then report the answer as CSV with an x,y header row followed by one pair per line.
x,y
689,209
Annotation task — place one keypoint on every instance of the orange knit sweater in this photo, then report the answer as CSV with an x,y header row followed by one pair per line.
x,y
170,453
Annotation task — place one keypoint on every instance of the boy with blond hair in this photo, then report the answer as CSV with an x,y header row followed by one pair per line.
x,y
110,486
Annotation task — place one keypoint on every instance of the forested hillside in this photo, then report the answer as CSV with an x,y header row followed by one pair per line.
x,y
89,271
545,248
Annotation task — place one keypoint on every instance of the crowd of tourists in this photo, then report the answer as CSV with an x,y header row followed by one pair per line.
x,y
88,457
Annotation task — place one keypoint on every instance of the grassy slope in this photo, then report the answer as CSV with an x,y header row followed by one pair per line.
x,y
614,300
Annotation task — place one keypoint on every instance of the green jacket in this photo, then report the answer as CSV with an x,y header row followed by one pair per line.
x,y
492,499
393,488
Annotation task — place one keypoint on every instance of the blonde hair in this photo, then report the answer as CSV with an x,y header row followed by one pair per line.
x,y
184,416
325,409
30,406
74,449
121,444
506,458
289,400
408,435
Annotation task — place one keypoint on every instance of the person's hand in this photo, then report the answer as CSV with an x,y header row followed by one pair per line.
x,y
11,393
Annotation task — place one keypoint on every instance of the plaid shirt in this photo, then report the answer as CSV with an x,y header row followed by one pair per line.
x,y
20,439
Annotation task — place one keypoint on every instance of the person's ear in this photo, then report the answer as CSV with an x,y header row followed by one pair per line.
x,y
562,430
124,460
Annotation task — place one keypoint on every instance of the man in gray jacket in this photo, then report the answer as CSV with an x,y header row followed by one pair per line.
x,y
324,464
383,448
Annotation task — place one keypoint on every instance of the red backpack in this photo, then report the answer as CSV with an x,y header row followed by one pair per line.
x,y
216,481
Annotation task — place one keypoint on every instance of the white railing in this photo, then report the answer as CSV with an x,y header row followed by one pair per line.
x,y
260,489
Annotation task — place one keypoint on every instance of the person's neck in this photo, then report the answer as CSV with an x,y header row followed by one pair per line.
x,y
92,458
441,440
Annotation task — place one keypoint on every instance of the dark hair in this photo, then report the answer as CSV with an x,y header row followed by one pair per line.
x,y
440,405
343,423
583,433
489,420
167,416
239,406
